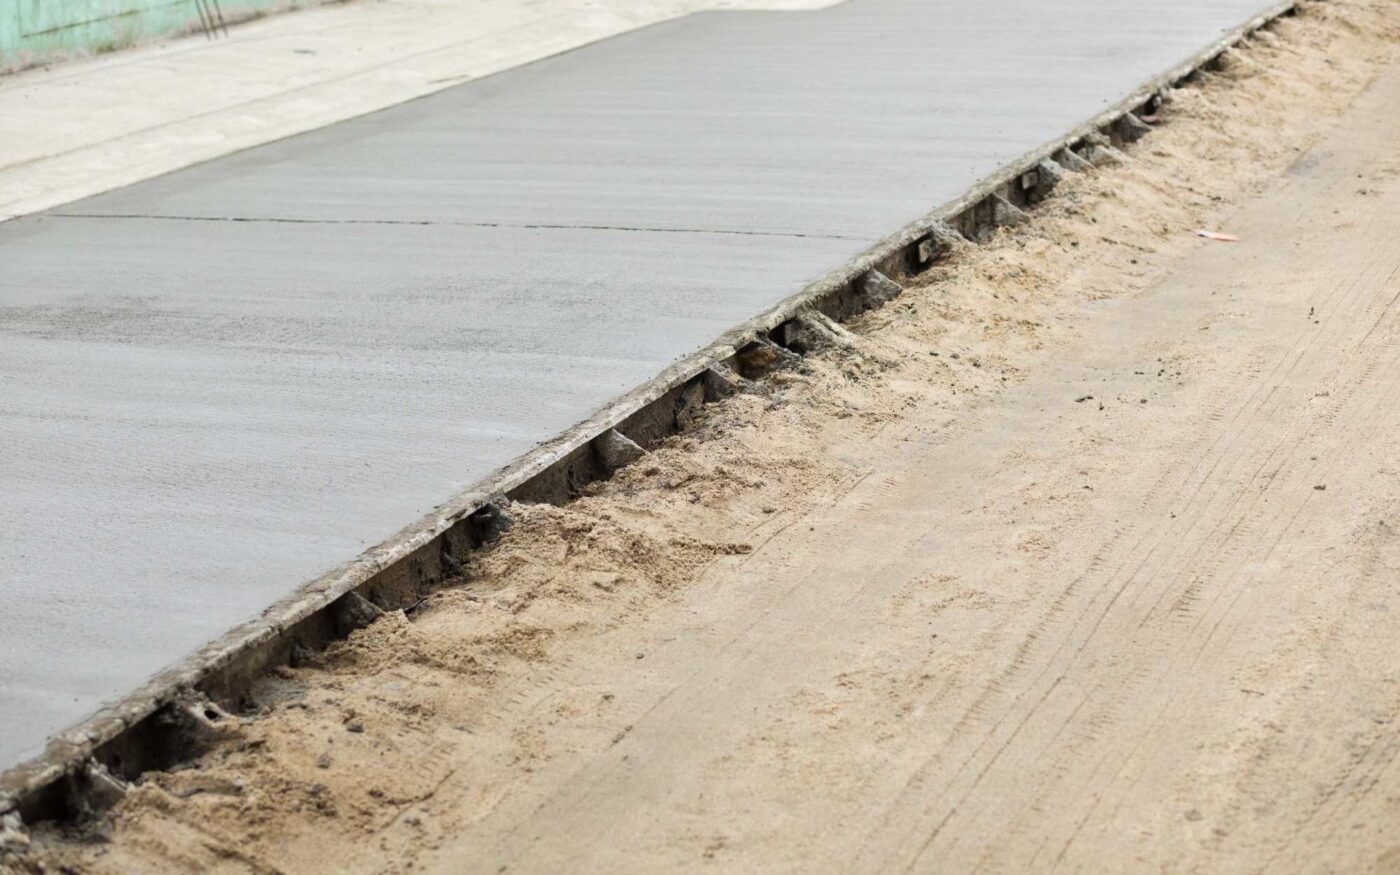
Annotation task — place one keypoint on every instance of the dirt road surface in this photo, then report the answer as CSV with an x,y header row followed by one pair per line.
x,y
1084,557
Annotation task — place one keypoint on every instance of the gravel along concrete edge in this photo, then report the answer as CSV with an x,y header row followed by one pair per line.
x,y
85,768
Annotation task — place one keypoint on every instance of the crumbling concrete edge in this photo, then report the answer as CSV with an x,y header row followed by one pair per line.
x,y
136,733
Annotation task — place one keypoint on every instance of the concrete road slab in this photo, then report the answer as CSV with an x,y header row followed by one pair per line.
x,y
222,382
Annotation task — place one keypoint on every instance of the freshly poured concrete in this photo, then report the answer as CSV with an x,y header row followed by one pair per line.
x,y
221,383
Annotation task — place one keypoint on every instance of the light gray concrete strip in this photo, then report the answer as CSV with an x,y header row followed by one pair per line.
x,y
220,383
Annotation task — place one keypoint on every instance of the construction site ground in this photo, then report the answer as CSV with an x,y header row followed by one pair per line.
x,y
1084,555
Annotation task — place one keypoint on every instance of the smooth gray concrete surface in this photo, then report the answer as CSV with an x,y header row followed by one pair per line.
x,y
219,384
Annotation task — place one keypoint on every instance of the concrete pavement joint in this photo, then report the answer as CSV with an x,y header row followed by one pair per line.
x,y
437,223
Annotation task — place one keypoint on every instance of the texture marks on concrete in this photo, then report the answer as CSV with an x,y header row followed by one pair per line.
x,y
225,381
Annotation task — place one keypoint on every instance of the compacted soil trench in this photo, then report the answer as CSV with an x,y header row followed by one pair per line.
x,y
1083,554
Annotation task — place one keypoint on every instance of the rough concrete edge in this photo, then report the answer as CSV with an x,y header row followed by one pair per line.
x,y
68,752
